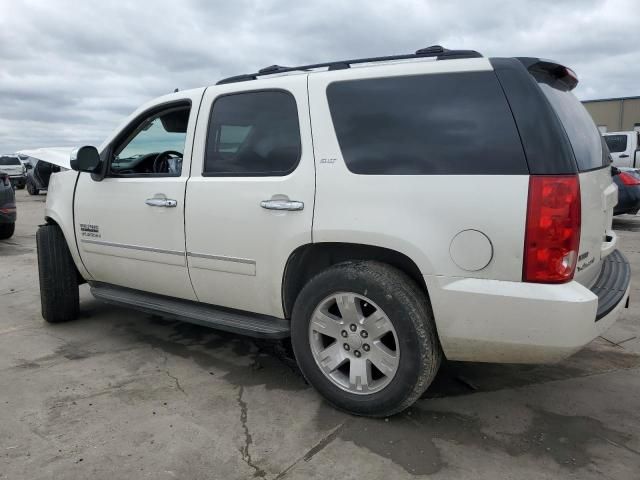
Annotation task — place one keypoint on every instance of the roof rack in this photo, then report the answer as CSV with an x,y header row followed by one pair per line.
x,y
437,51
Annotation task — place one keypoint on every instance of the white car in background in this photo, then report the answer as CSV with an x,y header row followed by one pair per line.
x,y
12,166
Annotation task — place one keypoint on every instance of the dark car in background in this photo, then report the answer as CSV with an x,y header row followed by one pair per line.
x,y
39,174
628,182
7,207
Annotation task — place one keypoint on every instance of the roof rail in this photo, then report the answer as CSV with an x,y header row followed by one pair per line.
x,y
437,51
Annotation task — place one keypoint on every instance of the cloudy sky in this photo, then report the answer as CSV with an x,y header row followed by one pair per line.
x,y
70,71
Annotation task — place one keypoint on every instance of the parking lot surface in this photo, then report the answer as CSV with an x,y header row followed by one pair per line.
x,y
121,394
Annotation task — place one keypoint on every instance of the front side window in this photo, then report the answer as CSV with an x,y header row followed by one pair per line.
x,y
154,147
253,134
616,143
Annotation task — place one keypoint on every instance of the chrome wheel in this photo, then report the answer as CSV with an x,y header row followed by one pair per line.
x,y
354,343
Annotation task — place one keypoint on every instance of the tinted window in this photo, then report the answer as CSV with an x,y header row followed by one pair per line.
x,y
9,161
616,143
253,134
583,134
426,124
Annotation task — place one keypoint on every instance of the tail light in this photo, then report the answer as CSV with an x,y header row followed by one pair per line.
x,y
8,208
552,235
628,179
4,179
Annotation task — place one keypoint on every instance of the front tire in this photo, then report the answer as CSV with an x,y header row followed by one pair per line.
x,y
364,336
59,293
6,230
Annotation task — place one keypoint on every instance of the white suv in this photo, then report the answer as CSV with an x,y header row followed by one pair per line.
x,y
381,212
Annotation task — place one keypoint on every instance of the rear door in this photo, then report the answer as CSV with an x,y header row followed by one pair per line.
x,y
598,193
621,148
249,201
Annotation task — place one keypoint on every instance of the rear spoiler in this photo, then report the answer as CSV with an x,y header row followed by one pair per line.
x,y
550,68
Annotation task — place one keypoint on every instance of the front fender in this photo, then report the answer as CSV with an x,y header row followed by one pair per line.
x,y
59,209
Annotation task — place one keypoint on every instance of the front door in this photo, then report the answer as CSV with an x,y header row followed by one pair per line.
x,y
130,225
250,197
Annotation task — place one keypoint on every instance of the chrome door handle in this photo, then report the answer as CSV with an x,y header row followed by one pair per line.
x,y
290,205
161,202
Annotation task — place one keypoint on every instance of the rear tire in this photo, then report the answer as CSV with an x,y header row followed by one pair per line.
x,y
6,230
59,293
385,298
31,188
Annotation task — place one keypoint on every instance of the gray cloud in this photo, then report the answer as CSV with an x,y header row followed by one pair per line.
x,y
71,71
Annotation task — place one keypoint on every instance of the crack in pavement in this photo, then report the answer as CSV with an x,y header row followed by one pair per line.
x,y
248,440
175,379
317,448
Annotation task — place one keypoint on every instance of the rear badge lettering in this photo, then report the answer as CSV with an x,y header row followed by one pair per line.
x,y
586,264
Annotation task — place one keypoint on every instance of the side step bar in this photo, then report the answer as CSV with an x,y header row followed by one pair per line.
x,y
220,318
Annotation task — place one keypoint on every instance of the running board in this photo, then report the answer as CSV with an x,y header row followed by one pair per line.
x,y
220,318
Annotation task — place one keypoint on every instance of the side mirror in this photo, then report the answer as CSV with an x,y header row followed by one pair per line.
x,y
85,159
28,166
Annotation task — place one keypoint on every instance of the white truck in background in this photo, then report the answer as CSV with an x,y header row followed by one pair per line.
x,y
624,148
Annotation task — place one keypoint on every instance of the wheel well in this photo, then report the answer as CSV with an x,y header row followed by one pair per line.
x,y
51,221
308,260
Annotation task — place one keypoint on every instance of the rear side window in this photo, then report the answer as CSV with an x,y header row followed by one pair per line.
x,y
616,143
584,136
253,134
452,123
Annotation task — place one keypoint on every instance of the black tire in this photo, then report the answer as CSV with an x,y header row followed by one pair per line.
x,y
59,293
6,230
408,309
31,188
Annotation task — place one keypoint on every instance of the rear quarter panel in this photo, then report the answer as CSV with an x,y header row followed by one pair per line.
x,y
417,215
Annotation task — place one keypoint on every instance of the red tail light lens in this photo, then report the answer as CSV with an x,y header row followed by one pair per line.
x,y
552,235
628,179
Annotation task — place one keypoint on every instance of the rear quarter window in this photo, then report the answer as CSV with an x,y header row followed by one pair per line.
x,y
452,123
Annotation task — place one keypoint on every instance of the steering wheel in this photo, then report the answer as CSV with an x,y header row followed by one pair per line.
x,y
161,164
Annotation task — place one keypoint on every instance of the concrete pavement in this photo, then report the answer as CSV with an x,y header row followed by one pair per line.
x,y
121,394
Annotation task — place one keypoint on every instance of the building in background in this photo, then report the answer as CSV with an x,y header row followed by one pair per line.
x,y
615,114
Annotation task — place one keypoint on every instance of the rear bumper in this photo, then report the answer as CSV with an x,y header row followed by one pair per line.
x,y
19,180
515,322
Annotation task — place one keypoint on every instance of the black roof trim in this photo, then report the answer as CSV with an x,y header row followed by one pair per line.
x,y
437,51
